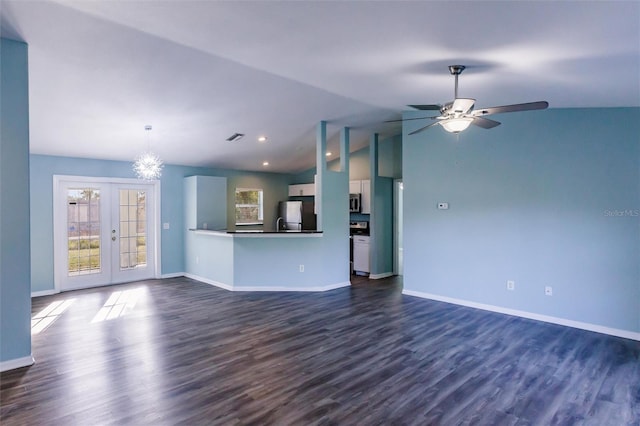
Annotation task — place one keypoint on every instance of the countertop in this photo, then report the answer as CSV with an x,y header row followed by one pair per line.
x,y
256,232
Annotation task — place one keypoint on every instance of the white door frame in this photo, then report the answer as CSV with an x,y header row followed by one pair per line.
x,y
398,255
59,212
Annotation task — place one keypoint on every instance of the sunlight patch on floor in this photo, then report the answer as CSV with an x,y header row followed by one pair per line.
x,y
118,304
47,316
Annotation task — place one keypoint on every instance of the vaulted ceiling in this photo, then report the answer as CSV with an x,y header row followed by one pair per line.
x,y
199,71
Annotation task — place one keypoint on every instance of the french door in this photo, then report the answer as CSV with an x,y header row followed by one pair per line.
x,y
104,231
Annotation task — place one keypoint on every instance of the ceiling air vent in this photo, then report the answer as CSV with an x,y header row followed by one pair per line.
x,y
235,137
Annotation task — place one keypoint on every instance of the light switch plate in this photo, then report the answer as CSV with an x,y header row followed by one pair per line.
x,y
443,206
165,225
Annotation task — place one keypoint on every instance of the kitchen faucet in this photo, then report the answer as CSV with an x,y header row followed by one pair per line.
x,y
278,223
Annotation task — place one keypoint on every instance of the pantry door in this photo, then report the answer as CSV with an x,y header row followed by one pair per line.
x,y
104,233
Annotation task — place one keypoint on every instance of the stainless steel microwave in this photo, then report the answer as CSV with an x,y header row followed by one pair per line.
x,y
354,203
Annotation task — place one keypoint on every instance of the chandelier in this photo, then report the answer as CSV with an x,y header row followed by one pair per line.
x,y
148,165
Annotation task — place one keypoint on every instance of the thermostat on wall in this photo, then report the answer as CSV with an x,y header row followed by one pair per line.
x,y
443,206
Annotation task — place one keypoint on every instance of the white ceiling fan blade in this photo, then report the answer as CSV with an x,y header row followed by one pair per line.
x,y
485,123
424,128
431,107
529,106
411,119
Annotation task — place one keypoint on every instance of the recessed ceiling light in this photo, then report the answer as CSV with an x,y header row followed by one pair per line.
x,y
266,163
328,154
262,139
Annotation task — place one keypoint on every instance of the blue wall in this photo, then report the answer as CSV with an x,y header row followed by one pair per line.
x,y
15,301
389,162
172,201
549,198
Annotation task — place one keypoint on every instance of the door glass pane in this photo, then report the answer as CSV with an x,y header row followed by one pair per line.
x,y
133,229
83,231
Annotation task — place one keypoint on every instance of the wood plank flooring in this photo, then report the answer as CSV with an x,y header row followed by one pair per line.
x,y
189,353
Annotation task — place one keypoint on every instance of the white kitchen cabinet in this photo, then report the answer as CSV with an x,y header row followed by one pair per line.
x,y
355,186
302,190
365,198
361,253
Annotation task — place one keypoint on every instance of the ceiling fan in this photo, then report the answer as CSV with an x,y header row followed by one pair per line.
x,y
457,115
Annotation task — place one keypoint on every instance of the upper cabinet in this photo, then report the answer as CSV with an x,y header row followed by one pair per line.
x,y
362,187
302,190
355,187
365,198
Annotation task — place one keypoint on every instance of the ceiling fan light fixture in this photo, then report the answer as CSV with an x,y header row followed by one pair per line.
x,y
456,125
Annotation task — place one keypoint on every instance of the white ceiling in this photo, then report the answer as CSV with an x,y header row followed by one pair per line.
x,y
199,71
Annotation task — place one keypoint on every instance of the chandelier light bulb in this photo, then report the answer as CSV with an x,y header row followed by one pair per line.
x,y
148,165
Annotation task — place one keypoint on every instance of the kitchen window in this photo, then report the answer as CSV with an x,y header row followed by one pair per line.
x,y
249,206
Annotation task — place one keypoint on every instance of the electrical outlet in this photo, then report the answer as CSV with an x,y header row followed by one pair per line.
x,y
165,225
548,291
511,285
301,268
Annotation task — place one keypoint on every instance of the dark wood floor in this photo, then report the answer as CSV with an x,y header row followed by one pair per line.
x,y
189,353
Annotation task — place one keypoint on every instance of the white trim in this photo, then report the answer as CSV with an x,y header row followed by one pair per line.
x,y
379,276
300,289
267,288
105,179
172,275
524,314
12,364
157,206
208,281
44,293
157,262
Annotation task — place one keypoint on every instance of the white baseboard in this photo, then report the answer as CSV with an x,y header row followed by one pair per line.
x,y
44,293
309,289
266,288
173,275
208,281
379,276
12,364
529,315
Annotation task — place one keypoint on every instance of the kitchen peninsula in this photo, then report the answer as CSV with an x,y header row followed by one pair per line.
x,y
240,259
259,261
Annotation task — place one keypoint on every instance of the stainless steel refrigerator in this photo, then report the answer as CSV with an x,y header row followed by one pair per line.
x,y
296,216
